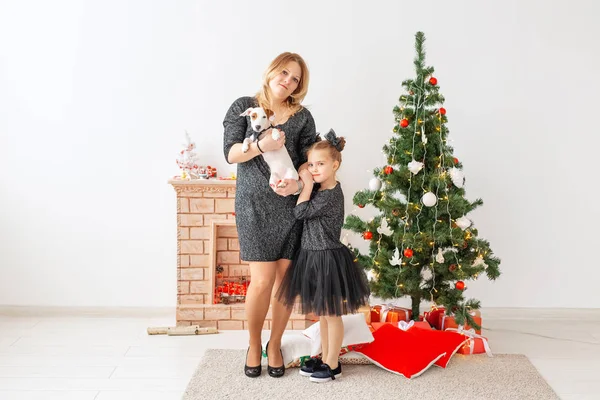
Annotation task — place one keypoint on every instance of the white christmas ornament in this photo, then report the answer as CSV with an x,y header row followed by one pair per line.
x,y
423,136
463,222
440,256
457,176
370,275
384,229
426,274
449,249
479,262
415,166
429,199
401,197
375,184
395,260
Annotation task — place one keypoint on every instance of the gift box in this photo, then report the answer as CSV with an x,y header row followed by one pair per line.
x,y
447,321
433,316
390,313
402,324
475,345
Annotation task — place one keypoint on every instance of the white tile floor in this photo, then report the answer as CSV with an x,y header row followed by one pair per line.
x,y
99,358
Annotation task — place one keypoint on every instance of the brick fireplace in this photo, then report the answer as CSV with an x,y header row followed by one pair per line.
x,y
208,252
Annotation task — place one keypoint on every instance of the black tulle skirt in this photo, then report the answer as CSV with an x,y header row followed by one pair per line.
x,y
327,282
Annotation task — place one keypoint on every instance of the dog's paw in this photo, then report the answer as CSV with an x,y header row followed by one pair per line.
x,y
245,146
275,134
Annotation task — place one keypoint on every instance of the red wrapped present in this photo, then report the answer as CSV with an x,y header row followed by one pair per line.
x,y
390,313
433,316
447,321
476,344
402,325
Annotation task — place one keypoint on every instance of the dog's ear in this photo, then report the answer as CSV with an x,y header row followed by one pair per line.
x,y
270,115
247,112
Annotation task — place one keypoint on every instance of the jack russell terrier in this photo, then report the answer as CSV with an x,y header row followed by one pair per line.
x,y
279,161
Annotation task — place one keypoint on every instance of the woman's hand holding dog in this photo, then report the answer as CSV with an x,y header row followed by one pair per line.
x,y
268,144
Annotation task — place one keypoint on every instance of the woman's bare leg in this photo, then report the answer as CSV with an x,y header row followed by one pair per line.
x,y
258,296
281,316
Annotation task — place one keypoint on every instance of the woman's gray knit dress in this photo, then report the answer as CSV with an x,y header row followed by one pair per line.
x,y
267,228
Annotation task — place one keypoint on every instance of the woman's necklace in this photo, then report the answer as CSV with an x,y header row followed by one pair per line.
x,y
282,116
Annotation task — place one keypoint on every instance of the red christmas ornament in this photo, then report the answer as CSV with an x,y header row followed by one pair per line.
x,y
460,285
408,253
388,170
455,160
368,235
361,206
443,111
452,267
433,81
404,123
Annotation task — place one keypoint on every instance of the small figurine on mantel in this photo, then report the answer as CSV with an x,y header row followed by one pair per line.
x,y
188,161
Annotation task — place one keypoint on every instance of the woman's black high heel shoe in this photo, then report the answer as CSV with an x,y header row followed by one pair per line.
x,y
253,372
275,372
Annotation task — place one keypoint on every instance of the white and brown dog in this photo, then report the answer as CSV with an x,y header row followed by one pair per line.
x,y
279,161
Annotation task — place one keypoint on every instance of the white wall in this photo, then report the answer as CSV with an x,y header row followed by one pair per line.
x,y
95,97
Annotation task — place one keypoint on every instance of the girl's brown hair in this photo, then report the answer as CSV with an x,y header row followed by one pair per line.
x,y
277,65
334,144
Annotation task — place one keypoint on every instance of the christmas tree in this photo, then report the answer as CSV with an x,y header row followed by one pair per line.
x,y
187,160
422,243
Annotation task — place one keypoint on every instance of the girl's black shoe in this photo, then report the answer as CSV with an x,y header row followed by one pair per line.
x,y
326,374
253,372
275,372
311,366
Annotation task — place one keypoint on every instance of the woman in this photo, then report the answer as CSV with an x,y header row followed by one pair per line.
x,y
268,232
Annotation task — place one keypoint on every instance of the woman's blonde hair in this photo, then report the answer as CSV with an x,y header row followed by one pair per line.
x,y
277,65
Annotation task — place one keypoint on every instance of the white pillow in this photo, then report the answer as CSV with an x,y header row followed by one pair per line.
x,y
294,347
356,331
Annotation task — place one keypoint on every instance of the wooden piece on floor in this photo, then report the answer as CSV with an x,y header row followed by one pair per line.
x,y
181,330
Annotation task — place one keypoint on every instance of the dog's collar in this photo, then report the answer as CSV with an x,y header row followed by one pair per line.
x,y
266,129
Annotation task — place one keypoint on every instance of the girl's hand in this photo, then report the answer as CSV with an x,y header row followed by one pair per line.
x,y
268,144
306,177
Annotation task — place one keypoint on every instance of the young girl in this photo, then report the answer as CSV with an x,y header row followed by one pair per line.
x,y
323,272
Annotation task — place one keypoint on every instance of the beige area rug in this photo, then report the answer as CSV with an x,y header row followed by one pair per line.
x,y
220,375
